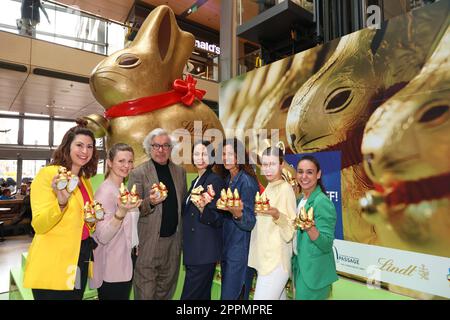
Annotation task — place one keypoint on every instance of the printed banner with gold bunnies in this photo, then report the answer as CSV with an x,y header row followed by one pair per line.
x,y
382,98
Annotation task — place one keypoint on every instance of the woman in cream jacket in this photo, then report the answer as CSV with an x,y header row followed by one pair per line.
x,y
270,243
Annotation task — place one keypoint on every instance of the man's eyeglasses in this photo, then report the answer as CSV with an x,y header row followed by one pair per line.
x,y
165,146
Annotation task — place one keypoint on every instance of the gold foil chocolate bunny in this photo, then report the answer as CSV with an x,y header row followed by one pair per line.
x,y
237,198
66,180
123,193
304,220
258,203
61,180
222,201
99,211
264,202
287,176
160,189
209,195
230,198
134,197
89,213
163,189
72,183
196,194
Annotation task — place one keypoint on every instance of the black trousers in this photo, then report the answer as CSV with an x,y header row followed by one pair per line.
x,y
198,282
117,290
75,294
114,290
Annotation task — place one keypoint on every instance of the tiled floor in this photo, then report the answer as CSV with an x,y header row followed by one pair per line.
x,y
10,257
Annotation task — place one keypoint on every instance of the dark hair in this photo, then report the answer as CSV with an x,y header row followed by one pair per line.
x,y
6,191
317,164
209,149
242,157
61,156
273,151
213,165
113,152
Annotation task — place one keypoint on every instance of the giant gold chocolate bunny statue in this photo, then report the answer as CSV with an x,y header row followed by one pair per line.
x,y
141,88
406,148
330,110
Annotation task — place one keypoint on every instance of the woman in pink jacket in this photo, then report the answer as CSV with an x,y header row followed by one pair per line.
x,y
116,235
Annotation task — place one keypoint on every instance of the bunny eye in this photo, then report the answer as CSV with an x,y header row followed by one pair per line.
x,y
286,103
128,60
434,114
338,100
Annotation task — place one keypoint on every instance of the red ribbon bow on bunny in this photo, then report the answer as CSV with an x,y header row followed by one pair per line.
x,y
183,91
187,87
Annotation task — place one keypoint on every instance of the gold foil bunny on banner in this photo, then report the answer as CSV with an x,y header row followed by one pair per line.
x,y
330,111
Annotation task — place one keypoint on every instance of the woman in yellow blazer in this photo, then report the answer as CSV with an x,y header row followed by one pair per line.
x,y
57,263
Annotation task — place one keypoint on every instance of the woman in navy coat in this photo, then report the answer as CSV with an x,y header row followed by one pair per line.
x,y
238,222
202,228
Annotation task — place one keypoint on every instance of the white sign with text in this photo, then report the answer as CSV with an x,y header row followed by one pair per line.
x,y
417,271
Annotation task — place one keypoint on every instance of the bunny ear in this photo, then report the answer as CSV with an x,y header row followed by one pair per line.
x,y
158,32
162,39
166,35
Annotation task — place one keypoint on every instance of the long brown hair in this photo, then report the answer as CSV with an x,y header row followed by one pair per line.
x,y
243,160
61,156
113,152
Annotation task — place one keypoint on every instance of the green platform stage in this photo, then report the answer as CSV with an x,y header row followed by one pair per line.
x,y
343,289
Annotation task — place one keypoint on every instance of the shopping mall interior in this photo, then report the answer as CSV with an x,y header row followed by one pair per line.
x,y
48,57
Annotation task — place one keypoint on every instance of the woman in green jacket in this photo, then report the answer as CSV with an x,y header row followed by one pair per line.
x,y
313,267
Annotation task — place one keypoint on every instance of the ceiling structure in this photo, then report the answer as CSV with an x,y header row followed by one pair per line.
x,y
30,93
207,14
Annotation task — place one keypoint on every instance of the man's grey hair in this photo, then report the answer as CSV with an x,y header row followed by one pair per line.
x,y
148,141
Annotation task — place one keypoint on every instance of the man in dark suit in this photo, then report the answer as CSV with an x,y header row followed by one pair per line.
x,y
159,226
